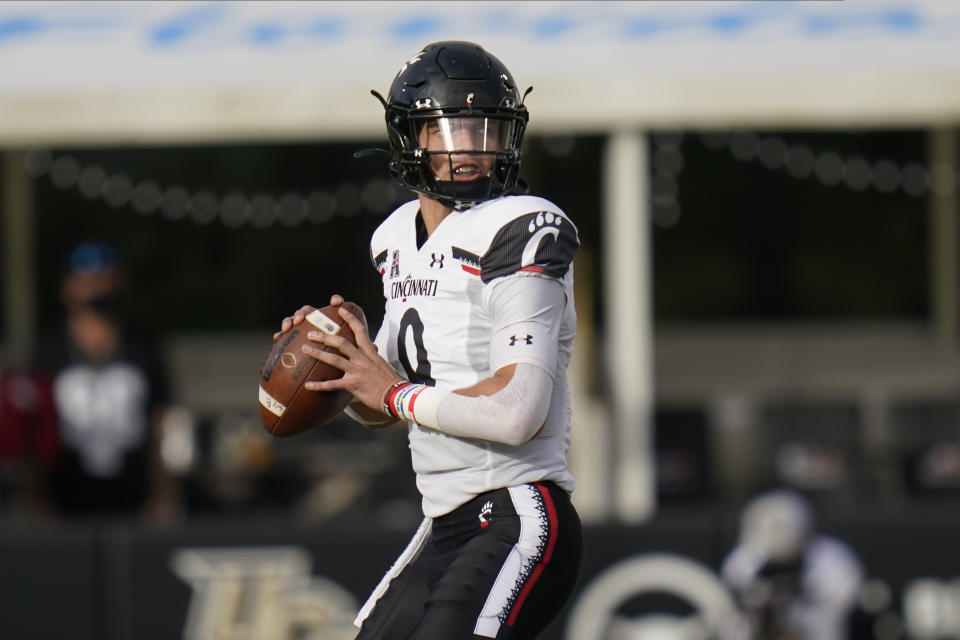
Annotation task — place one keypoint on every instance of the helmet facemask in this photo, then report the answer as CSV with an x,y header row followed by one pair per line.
x,y
455,122
464,160
459,160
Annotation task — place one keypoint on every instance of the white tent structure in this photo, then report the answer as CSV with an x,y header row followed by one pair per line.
x,y
81,72
101,73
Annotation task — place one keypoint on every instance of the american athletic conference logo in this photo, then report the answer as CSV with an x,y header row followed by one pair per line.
x,y
395,264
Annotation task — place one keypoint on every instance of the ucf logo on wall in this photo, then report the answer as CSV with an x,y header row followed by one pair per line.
x,y
596,614
261,593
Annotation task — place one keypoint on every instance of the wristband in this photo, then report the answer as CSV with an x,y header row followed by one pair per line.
x,y
399,399
388,397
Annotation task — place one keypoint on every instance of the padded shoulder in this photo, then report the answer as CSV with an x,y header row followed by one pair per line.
x,y
386,234
539,241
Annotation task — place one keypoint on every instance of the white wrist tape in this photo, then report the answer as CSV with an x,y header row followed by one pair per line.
x,y
412,402
425,405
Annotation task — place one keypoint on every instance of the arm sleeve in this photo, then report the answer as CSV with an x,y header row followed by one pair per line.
x,y
512,415
527,311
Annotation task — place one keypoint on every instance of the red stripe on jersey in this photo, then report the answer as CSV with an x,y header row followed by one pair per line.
x,y
471,270
533,268
544,561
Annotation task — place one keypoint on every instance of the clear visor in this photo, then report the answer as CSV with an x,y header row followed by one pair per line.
x,y
467,134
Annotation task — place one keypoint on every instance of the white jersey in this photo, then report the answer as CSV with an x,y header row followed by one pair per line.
x,y
438,330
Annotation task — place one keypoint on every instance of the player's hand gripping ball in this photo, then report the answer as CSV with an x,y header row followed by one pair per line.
x,y
286,407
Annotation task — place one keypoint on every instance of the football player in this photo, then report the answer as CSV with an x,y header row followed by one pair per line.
x,y
792,582
471,356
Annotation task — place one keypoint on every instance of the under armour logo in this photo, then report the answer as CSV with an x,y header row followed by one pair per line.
x,y
436,261
515,339
485,513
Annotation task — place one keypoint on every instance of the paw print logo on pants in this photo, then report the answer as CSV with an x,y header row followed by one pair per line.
x,y
486,513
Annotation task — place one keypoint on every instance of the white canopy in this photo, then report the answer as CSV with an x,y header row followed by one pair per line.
x,y
129,72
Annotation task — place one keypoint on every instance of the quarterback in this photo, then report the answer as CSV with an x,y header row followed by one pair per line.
x,y
471,356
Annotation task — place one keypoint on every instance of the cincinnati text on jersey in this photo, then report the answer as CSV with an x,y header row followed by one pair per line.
x,y
410,287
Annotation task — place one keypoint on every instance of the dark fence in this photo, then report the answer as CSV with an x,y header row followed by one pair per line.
x,y
116,581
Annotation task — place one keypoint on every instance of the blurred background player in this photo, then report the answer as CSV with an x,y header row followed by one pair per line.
x,y
109,388
479,317
792,582
29,443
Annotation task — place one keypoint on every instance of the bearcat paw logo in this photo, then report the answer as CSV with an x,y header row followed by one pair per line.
x,y
486,513
543,225
544,217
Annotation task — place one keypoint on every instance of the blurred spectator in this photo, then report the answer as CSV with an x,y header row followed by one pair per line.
x,y
792,582
29,445
110,391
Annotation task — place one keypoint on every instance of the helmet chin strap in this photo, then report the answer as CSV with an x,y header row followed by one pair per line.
x,y
462,195
366,153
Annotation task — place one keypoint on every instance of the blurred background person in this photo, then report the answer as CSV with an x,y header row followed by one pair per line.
x,y
110,390
792,582
29,444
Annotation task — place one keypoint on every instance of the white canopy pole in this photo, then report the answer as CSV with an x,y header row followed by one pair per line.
x,y
944,261
19,274
629,322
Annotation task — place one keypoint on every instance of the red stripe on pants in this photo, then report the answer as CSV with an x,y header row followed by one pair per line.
x,y
544,561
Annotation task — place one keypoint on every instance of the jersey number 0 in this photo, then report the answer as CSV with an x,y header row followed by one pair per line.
x,y
411,321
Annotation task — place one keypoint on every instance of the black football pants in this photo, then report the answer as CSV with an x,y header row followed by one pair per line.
x,y
501,566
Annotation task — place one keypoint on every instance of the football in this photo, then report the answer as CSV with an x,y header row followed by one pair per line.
x,y
286,408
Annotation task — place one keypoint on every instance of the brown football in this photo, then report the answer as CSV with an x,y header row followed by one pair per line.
x,y
286,408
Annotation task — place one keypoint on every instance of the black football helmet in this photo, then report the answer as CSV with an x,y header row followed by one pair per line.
x,y
455,122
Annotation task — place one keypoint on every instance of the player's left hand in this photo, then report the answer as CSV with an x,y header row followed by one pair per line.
x,y
365,373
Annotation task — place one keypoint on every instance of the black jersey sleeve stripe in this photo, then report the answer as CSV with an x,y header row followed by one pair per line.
x,y
542,241
465,256
469,262
379,260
